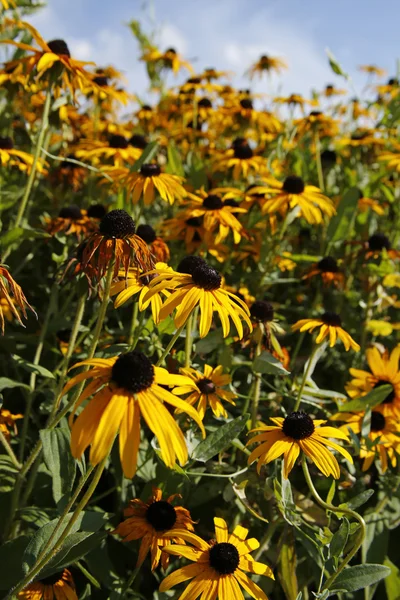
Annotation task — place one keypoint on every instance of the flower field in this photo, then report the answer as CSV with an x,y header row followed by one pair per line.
x,y
200,382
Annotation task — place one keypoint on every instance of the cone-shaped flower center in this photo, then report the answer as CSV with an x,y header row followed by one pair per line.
x,y
328,158
293,185
332,319
96,211
262,311
205,103
147,233
243,152
64,335
213,202
378,242
59,47
170,51
150,170
190,263
161,515
194,221
51,579
206,277
378,421
138,141
328,265
133,372
206,386
329,87
315,113
224,558
298,425
70,212
6,143
118,141
246,103
117,223
101,80
390,397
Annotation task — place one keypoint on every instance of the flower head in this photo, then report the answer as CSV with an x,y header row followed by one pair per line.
x,y
12,295
55,587
330,324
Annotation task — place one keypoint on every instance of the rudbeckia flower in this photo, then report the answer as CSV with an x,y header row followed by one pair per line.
x,y
372,70
267,64
149,521
124,388
392,159
71,220
383,441
262,313
10,156
12,295
55,587
294,192
207,389
55,52
188,229
328,269
241,159
196,283
384,370
7,422
219,565
330,325
169,59
330,91
117,148
296,433
156,245
133,283
115,239
377,243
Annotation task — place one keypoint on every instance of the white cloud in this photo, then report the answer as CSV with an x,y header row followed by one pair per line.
x,y
170,36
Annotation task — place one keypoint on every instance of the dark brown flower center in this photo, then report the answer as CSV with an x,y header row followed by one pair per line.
x,y
243,152
138,141
64,335
190,263
133,372
194,221
328,265
205,103
298,425
170,51
147,233
213,202
150,170
96,211
328,158
59,47
70,212
118,141
246,103
378,421
378,242
101,80
224,558
206,386
6,143
332,319
117,223
391,396
262,311
293,185
206,277
161,515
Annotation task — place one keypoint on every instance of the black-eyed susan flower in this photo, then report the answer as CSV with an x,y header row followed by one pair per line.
x,y
115,239
12,157
267,64
12,295
156,244
124,388
208,389
71,220
384,370
117,149
188,229
219,565
296,433
382,441
59,586
330,326
392,160
7,422
241,159
170,59
328,269
378,243
372,70
195,283
262,314
149,521
282,196
133,283
330,90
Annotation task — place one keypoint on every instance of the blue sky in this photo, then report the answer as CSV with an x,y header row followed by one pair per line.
x,y
231,34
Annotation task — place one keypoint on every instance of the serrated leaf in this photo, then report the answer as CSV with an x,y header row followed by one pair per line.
x,y
220,439
360,576
370,400
59,460
266,363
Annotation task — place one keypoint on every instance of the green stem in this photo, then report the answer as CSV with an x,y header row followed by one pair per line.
x,y
9,450
88,575
133,323
39,565
318,161
336,509
304,380
188,340
170,345
131,579
257,387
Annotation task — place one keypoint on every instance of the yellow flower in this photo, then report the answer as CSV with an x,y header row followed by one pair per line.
x,y
12,157
116,148
7,422
207,389
296,433
149,521
71,220
372,70
169,59
11,295
124,388
241,159
383,328
196,283
266,64
330,325
58,586
219,565
392,159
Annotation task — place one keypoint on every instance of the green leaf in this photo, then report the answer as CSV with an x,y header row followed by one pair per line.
x,y
147,156
335,66
266,363
220,439
360,576
174,165
213,341
370,400
75,547
339,540
19,234
31,368
59,460
11,562
287,568
358,500
6,383
340,224
392,582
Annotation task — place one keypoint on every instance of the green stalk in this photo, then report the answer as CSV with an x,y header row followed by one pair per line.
x,y
133,323
256,388
188,340
336,509
318,161
304,380
170,345
9,450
